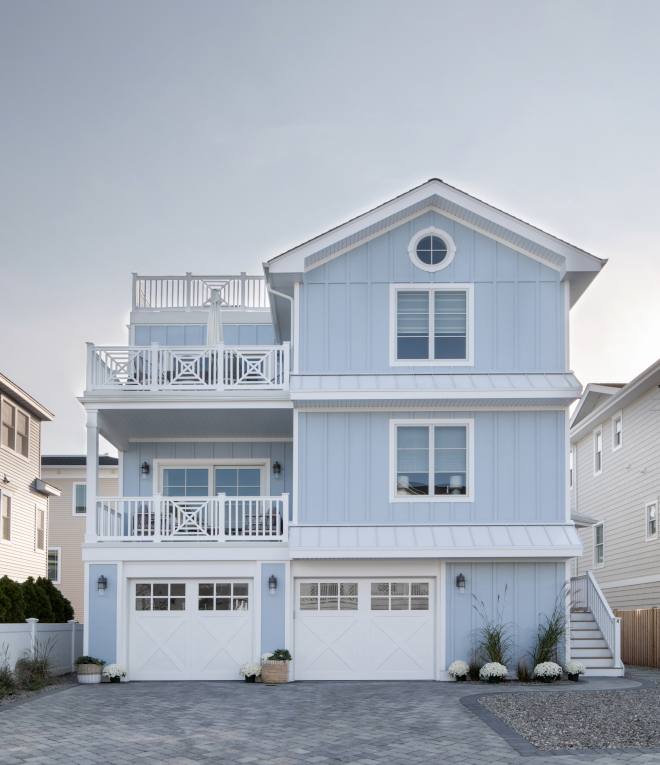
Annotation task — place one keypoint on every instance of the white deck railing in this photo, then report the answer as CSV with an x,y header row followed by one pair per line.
x,y
185,293
187,367
585,593
220,518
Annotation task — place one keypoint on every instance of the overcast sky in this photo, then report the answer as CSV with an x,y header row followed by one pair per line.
x,y
164,137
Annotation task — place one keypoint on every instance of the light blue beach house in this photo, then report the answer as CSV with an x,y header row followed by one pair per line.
x,y
379,432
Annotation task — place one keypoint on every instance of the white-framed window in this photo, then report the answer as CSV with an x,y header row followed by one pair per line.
x,y
431,325
617,431
431,249
54,564
208,478
5,516
39,528
223,596
571,466
160,596
599,545
15,428
598,452
431,460
79,499
652,520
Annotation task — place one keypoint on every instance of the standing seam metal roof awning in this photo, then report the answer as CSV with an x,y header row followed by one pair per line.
x,y
436,541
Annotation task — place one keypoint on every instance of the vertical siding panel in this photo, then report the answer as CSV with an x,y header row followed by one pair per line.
x,y
337,327
505,327
335,465
359,352
505,465
526,466
315,327
358,469
549,325
526,329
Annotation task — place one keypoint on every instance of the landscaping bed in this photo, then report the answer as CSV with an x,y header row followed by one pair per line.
x,y
56,682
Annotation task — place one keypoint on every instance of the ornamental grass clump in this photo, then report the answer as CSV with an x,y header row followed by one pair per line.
x,y
493,672
493,639
523,672
34,670
475,664
574,669
459,669
551,634
547,671
7,679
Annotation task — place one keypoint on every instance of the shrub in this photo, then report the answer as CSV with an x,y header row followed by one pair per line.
x,y
61,606
7,679
548,669
281,654
88,660
475,664
34,669
493,639
493,669
12,592
524,672
551,633
37,604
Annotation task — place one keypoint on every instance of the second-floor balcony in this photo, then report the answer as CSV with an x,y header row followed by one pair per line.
x,y
186,368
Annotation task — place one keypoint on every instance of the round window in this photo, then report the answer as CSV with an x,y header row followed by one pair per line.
x,y
432,250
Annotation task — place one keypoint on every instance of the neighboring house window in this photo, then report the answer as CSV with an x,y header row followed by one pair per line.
x,y
15,429
571,460
40,528
431,460
432,325
598,452
652,520
599,545
79,498
431,249
617,432
54,554
6,517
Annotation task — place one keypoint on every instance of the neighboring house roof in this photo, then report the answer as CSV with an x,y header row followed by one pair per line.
x,y
615,399
71,460
497,540
594,395
24,399
582,519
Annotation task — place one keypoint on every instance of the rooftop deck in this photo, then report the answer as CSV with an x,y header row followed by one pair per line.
x,y
188,293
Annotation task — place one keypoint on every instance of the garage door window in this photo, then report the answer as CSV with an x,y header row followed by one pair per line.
x,y
160,597
225,596
399,596
329,596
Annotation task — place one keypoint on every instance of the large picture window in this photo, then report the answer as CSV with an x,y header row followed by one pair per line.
x,y
208,478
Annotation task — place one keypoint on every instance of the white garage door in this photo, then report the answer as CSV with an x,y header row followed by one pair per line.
x,y
192,629
356,629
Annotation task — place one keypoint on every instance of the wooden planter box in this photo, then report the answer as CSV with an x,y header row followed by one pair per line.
x,y
89,673
274,671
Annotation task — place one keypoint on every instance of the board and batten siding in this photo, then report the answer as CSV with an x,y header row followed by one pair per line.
x,y
20,558
343,468
629,479
518,303
67,531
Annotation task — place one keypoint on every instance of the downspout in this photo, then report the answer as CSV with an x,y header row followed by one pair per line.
x,y
278,335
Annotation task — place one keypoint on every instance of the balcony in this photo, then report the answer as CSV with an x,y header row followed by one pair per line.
x,y
192,519
187,368
188,293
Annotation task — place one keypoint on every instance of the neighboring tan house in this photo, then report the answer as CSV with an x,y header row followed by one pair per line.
x,y
67,512
615,479
23,495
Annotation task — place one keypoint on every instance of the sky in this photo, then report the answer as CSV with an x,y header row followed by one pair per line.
x,y
163,137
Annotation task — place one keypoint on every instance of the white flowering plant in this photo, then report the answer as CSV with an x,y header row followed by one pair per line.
x,y
114,670
574,668
459,669
493,669
265,656
547,669
249,669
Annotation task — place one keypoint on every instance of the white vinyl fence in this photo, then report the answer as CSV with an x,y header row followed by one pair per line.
x,y
66,640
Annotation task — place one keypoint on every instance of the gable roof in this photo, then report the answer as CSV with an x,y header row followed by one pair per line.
x,y
574,263
22,398
594,395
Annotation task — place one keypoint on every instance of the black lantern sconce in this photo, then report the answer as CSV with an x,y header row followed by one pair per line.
x,y
272,584
277,469
102,584
460,583
145,468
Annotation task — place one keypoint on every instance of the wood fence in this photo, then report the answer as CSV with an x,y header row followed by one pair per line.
x,y
640,637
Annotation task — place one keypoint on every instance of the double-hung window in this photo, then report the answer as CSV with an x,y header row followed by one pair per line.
x,y
54,564
431,460
598,452
79,498
432,325
5,517
617,432
599,545
40,528
15,429
652,520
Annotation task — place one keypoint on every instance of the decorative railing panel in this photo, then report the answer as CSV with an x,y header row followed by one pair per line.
x,y
185,293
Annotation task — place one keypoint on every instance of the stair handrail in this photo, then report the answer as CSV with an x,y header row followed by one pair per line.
x,y
609,625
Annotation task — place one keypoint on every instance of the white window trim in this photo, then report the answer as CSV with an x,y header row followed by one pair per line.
x,y
646,520
73,499
59,564
40,509
468,289
18,408
431,231
572,462
617,416
468,497
595,434
598,565
4,492
263,463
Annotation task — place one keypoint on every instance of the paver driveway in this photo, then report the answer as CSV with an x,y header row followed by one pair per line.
x,y
325,723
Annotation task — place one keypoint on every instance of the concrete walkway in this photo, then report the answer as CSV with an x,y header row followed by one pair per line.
x,y
326,723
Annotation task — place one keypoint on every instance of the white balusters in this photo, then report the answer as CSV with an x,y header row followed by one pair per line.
x,y
184,293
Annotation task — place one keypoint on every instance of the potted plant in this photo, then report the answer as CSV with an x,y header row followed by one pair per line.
x,y
459,669
115,672
547,671
274,667
493,672
250,671
574,669
89,669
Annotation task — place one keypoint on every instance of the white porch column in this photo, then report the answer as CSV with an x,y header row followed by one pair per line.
x,y
92,480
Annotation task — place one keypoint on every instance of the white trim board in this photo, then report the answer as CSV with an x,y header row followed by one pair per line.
x,y
651,579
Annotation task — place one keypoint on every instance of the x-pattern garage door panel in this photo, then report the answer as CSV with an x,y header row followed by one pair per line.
x,y
221,644
329,645
401,647
160,646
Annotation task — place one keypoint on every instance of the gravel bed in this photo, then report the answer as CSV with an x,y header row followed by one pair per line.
x,y
57,682
582,720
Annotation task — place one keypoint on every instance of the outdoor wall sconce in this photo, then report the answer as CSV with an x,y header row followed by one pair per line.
x,y
145,468
5,479
460,583
102,584
277,469
272,584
